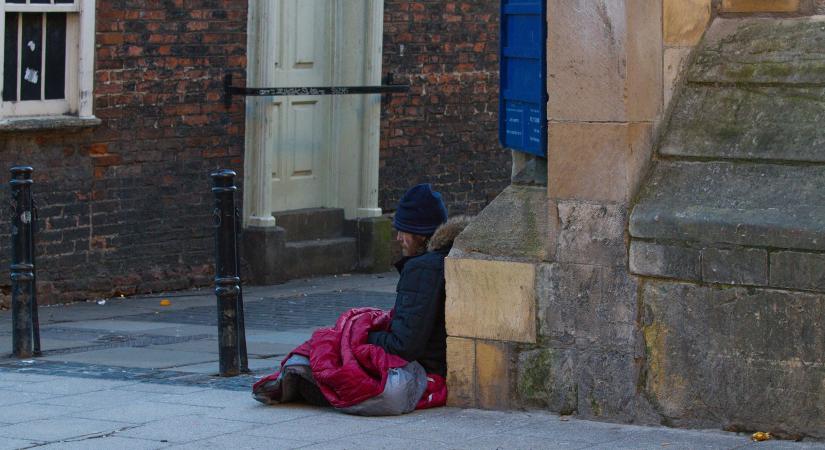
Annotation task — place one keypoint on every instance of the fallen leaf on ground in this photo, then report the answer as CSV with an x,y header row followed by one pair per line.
x,y
760,436
165,302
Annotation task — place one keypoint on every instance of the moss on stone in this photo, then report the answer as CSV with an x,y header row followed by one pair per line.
x,y
535,377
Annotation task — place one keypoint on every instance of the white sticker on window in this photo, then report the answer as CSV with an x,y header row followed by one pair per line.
x,y
32,45
31,76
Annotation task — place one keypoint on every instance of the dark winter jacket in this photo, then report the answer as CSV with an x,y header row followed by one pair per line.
x,y
417,331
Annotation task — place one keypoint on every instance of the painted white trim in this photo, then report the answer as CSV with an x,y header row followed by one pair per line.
x,y
20,7
258,177
368,197
86,60
80,35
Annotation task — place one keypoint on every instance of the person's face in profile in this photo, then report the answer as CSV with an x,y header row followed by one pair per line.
x,y
411,244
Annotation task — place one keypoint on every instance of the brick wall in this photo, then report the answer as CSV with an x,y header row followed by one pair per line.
x,y
446,130
125,207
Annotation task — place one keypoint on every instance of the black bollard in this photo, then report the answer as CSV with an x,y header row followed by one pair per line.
x,y
241,324
25,327
227,282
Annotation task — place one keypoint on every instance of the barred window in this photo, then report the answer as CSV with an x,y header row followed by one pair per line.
x,y
46,60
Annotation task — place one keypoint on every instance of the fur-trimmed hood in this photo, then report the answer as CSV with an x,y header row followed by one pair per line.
x,y
447,232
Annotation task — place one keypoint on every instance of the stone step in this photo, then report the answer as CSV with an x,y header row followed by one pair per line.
x,y
319,257
745,204
755,91
311,223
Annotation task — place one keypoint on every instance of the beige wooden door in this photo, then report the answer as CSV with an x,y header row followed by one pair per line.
x,y
297,129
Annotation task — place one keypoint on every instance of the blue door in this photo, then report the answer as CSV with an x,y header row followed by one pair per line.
x,y
523,76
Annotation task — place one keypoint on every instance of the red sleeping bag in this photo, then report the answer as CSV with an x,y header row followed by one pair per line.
x,y
348,370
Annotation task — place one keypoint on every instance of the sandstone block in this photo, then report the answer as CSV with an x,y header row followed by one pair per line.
x,y
546,378
493,366
762,50
760,5
461,372
684,21
515,224
674,62
597,161
604,60
737,266
721,355
669,261
798,270
591,233
643,47
491,299
760,122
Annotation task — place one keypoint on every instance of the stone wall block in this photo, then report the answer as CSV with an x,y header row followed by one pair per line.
x,y
545,378
591,233
599,162
674,61
798,270
515,224
491,299
643,47
607,384
684,21
760,5
562,288
607,317
737,266
751,357
586,60
669,261
461,372
493,365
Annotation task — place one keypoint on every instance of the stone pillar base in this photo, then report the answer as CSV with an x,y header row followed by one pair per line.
x,y
263,249
377,249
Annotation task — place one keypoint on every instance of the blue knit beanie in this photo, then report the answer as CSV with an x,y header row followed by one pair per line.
x,y
420,211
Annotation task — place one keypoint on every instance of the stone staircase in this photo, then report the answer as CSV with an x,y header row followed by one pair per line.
x,y
728,235
738,193
317,241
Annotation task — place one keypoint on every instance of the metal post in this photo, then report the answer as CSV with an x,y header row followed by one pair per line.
x,y
241,324
25,338
227,282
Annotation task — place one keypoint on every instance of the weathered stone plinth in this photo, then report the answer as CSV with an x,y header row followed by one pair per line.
x,y
727,234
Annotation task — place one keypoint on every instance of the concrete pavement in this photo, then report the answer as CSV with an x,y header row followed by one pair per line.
x,y
130,373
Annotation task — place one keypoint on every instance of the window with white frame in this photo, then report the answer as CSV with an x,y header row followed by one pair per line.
x,y
47,57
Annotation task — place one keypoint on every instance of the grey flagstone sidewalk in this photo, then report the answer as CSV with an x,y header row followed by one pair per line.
x,y
131,374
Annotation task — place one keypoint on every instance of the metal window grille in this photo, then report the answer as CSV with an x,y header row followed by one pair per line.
x,y
35,49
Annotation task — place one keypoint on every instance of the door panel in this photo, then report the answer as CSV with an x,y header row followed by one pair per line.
x,y
299,126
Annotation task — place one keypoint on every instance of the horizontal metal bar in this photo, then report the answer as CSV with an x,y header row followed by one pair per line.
x,y
330,90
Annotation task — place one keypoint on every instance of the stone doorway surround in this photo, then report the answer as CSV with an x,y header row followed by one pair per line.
x,y
353,166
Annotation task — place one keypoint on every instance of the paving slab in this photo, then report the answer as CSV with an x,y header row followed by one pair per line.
x,y
97,399
244,441
184,429
254,412
453,426
60,428
106,443
9,443
140,412
331,425
134,357
212,368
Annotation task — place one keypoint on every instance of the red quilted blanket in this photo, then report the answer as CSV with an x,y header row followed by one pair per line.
x,y
348,370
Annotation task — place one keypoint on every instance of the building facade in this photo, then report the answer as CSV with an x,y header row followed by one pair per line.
x,y
658,266
122,161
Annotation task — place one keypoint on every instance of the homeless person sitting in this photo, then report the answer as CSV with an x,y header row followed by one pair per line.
x,y
375,362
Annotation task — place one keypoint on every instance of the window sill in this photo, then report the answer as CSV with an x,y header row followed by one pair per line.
x,y
45,123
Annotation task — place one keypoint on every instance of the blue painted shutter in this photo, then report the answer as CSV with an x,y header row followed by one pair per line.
x,y
523,76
